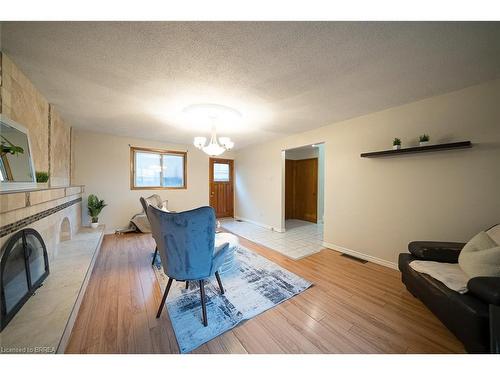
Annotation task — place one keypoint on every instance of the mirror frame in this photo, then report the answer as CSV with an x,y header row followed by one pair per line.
x,y
9,186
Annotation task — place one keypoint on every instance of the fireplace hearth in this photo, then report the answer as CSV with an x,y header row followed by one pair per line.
x,y
23,267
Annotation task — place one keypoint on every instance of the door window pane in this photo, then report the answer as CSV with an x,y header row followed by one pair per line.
x,y
147,169
221,172
173,170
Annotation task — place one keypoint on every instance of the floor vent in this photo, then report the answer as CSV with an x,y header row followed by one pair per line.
x,y
359,260
239,220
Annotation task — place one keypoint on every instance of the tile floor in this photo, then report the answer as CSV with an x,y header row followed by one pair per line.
x,y
301,238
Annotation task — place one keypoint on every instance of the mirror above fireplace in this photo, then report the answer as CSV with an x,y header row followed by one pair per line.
x,y
16,162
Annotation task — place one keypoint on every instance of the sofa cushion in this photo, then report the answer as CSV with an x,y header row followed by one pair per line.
x,y
450,274
480,256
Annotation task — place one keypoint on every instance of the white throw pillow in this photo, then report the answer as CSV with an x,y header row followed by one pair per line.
x,y
494,233
480,256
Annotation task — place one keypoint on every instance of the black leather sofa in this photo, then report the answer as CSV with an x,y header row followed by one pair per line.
x,y
473,317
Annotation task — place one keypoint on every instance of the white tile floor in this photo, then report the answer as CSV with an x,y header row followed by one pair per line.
x,y
301,238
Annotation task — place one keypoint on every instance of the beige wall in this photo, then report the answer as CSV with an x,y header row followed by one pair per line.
x,y
102,164
60,142
49,135
376,206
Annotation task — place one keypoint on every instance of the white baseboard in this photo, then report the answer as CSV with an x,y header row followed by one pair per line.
x,y
281,230
357,254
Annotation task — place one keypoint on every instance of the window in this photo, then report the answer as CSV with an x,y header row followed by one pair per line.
x,y
157,169
221,172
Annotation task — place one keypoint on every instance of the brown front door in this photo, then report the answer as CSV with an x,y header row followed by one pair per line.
x,y
301,189
221,186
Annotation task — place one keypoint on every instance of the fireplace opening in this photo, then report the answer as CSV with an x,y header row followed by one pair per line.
x,y
65,230
23,267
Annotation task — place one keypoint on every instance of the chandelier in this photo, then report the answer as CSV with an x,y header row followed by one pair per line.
x,y
213,112
215,146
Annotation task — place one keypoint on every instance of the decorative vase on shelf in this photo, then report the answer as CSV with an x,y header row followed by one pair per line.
x,y
423,143
396,147
93,224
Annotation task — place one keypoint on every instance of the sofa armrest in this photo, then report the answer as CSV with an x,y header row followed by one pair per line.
x,y
446,252
486,288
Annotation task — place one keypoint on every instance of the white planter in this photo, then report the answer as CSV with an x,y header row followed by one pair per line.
x,y
94,225
396,147
424,143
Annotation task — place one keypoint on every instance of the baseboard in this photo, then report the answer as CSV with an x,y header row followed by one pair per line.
x,y
280,230
357,254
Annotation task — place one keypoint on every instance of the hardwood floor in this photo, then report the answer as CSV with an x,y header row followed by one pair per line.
x,y
352,308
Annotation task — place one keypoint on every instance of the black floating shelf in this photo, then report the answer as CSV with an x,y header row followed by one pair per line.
x,y
412,150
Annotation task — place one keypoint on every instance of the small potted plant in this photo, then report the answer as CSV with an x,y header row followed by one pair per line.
x,y
42,178
396,144
424,140
95,206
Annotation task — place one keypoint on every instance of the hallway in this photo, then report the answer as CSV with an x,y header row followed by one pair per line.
x,y
301,238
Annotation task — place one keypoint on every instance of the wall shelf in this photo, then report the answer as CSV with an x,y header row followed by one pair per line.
x,y
411,150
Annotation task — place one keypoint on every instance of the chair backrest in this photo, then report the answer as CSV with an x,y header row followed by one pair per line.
x,y
144,205
154,200
185,241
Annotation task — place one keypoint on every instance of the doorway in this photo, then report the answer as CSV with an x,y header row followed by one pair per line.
x,y
304,185
221,176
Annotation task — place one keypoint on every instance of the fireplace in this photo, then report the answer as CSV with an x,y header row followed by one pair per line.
x,y
23,267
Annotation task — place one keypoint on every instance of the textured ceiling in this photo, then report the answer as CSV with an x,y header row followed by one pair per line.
x,y
135,78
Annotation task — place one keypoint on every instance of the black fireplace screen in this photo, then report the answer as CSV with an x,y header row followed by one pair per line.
x,y
23,267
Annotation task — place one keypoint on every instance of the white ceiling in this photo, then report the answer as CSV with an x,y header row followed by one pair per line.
x,y
135,78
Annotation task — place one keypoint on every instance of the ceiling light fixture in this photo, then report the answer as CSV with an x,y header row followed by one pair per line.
x,y
213,113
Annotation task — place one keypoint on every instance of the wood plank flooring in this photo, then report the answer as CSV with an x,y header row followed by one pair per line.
x,y
352,308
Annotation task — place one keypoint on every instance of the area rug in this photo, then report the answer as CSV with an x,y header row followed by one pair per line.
x,y
252,286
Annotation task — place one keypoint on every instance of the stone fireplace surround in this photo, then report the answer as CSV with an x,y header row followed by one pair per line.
x,y
44,323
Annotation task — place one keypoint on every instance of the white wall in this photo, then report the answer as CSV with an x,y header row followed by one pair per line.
x,y
321,182
307,152
101,162
376,206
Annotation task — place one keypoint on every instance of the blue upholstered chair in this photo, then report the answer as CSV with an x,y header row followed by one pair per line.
x,y
185,242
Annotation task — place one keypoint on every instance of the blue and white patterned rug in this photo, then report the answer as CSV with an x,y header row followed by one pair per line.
x,y
254,285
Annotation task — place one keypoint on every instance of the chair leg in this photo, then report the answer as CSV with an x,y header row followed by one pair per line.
x,y
187,284
154,256
164,298
219,282
203,306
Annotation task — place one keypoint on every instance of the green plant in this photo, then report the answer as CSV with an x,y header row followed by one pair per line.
x,y
424,138
42,176
7,147
396,142
95,206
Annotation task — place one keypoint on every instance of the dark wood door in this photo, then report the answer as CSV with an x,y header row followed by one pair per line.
x,y
301,189
221,186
